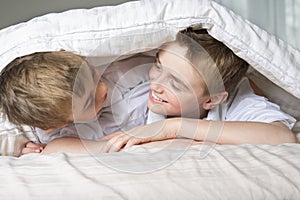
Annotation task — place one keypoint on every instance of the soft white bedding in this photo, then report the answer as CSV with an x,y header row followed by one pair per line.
x,y
143,25
226,172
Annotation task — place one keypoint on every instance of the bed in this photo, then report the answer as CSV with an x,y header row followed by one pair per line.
x,y
183,170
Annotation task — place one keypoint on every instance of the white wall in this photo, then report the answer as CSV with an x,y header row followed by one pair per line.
x,y
279,17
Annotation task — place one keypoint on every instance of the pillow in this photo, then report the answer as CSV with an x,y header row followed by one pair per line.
x,y
142,25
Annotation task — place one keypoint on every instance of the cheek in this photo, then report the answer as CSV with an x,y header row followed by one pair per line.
x,y
186,103
175,104
173,100
153,73
100,96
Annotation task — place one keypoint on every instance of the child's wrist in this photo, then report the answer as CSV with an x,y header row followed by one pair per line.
x,y
173,126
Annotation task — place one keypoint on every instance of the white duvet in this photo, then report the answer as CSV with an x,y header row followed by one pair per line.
x,y
227,172
222,172
143,25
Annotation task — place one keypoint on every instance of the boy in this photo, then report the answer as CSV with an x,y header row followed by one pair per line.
x,y
246,117
213,99
61,95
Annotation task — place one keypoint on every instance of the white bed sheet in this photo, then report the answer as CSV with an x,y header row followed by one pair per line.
x,y
109,31
143,172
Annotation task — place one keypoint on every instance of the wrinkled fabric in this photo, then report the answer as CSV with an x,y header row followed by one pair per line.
x,y
157,172
111,32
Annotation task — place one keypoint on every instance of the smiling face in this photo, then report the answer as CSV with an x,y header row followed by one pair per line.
x,y
176,88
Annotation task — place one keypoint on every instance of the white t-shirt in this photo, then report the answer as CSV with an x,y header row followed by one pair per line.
x,y
126,105
244,105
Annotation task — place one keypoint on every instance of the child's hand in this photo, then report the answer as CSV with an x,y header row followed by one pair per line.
x,y
118,140
31,147
161,130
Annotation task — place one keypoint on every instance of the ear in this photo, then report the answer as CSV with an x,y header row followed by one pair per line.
x,y
215,100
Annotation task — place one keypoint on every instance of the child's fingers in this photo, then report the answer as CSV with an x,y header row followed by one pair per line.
x,y
35,146
116,146
29,144
111,144
108,137
116,143
131,142
30,150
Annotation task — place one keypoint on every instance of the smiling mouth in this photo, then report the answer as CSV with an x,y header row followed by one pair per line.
x,y
157,98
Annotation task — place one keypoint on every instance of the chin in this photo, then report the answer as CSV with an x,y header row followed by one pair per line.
x,y
158,109
163,109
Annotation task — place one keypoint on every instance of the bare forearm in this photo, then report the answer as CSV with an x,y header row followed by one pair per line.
x,y
257,133
233,132
73,145
202,130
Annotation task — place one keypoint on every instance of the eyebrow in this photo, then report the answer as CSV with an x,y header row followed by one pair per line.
x,y
178,80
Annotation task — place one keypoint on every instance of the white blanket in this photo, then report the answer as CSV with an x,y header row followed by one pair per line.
x,y
226,172
143,25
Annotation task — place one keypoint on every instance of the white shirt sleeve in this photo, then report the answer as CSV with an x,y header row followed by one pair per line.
x,y
247,106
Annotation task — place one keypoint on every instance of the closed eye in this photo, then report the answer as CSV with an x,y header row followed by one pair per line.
x,y
175,85
88,102
178,84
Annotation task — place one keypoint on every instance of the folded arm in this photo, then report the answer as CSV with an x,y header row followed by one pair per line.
x,y
200,130
225,132
75,145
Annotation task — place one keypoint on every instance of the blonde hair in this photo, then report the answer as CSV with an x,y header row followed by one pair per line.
x,y
224,63
36,89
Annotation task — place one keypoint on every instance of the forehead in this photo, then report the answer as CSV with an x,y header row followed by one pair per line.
x,y
172,57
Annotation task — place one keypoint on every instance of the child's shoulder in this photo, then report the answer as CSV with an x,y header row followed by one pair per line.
x,y
243,91
245,105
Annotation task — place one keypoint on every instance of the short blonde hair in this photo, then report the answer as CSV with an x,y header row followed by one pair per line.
x,y
228,65
36,89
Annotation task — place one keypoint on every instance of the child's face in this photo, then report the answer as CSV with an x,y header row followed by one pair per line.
x,y
86,107
176,88
94,103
